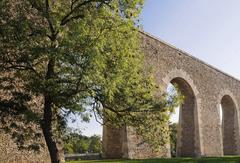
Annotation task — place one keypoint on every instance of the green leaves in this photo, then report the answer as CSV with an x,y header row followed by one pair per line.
x,y
173,139
77,143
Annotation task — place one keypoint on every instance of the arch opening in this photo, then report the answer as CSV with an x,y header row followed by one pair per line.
x,y
228,125
185,136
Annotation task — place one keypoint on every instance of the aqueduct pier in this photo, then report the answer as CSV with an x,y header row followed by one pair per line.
x,y
200,130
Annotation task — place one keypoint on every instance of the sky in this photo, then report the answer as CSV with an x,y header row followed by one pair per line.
x,y
207,29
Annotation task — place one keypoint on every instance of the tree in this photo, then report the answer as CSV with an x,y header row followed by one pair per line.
x,y
95,145
57,57
75,142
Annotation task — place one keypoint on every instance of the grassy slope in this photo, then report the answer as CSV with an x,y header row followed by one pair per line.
x,y
173,160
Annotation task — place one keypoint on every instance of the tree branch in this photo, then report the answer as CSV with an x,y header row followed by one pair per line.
x,y
46,14
65,19
54,33
69,16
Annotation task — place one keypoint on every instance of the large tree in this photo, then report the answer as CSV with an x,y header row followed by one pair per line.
x,y
59,56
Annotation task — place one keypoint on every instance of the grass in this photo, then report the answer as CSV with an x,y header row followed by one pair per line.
x,y
227,159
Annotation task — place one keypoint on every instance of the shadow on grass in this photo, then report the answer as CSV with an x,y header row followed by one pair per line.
x,y
227,159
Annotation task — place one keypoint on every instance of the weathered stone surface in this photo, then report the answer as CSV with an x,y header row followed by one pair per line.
x,y
138,149
114,139
200,131
9,153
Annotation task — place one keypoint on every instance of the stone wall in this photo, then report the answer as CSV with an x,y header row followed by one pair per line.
x,y
125,143
114,142
205,87
9,153
137,149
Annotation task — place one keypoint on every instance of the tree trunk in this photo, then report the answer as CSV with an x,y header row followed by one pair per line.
x,y
47,122
48,133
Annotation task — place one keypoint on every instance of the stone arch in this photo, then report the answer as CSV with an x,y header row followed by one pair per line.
x,y
230,123
189,133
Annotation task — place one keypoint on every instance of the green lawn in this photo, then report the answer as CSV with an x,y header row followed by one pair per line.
x,y
228,159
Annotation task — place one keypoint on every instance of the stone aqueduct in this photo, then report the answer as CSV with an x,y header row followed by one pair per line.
x,y
200,130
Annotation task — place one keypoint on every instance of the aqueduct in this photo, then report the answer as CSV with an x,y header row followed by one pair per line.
x,y
201,132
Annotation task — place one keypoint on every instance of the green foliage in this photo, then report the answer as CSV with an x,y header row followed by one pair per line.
x,y
95,145
173,138
77,143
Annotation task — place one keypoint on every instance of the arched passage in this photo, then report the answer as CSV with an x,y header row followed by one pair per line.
x,y
229,125
186,125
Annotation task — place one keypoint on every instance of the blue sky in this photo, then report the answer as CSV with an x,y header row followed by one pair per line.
x,y
207,29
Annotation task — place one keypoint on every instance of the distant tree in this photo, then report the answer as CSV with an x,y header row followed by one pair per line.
x,y
77,143
95,145
57,57
68,148
81,144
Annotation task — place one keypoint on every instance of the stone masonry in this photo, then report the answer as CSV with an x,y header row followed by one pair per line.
x,y
200,130
9,153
